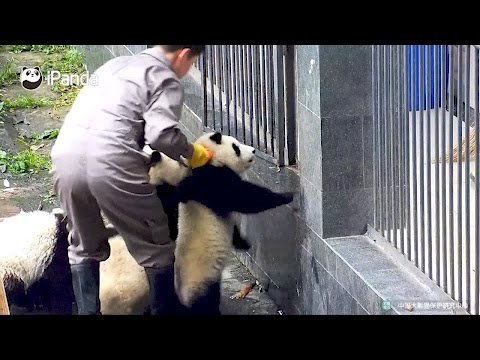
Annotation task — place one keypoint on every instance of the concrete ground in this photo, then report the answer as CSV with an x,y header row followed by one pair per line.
x,y
235,277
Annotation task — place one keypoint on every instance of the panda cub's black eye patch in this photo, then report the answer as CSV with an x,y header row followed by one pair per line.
x,y
28,72
236,149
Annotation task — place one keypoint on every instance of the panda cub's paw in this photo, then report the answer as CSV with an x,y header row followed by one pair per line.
x,y
239,242
293,198
288,196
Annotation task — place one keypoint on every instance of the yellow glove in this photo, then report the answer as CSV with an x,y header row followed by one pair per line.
x,y
201,156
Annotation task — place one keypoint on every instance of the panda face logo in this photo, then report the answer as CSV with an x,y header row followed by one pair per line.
x,y
31,78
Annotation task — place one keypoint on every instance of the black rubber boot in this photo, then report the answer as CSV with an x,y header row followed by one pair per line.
x,y
163,299
86,286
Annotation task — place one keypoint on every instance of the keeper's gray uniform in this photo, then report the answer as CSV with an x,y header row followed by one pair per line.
x,y
98,163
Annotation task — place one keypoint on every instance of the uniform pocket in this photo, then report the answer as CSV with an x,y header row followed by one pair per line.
x,y
160,233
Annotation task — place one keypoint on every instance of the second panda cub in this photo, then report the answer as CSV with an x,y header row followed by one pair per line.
x,y
207,197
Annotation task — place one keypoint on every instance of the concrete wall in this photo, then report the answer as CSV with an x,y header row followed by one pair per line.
x,y
316,256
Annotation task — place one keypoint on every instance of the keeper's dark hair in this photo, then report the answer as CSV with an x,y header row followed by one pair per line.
x,y
196,49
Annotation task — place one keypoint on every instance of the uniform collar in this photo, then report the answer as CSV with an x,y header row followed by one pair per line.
x,y
157,55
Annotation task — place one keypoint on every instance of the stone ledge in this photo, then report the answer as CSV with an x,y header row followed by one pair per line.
x,y
382,280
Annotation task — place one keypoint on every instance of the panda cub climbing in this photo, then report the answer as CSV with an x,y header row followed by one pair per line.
x,y
208,197
166,174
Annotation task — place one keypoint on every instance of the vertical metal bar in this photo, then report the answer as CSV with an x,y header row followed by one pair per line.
x,y
229,83
401,144
467,177
242,91
374,121
219,84
408,103
380,120
288,121
429,239
436,105
212,80
392,147
450,163
271,101
227,65
383,149
238,94
477,183
422,156
264,98
460,118
215,94
257,94
250,91
414,153
444,164
254,92
234,100
386,137
204,83
281,113
235,84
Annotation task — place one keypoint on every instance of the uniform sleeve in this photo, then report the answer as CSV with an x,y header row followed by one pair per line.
x,y
161,123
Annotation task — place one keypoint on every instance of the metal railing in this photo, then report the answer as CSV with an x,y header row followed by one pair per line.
x,y
245,95
426,160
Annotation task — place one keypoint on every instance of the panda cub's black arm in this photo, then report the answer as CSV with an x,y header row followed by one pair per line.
x,y
249,198
238,241
223,191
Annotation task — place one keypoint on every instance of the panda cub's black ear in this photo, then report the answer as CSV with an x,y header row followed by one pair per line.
x,y
155,157
217,138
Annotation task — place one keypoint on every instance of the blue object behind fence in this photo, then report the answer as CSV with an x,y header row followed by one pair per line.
x,y
413,58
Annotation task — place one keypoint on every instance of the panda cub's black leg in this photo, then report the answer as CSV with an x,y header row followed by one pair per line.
x,y
168,197
209,304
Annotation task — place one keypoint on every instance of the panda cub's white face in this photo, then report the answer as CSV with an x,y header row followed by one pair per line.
x,y
228,151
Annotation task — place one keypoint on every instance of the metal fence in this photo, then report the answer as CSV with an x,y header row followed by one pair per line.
x,y
426,160
246,92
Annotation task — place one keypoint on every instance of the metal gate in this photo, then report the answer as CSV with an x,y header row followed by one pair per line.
x,y
249,94
426,161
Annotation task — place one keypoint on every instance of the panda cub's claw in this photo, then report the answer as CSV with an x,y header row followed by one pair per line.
x,y
111,231
59,214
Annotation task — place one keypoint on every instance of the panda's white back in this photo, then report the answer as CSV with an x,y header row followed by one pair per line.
x,y
204,245
27,242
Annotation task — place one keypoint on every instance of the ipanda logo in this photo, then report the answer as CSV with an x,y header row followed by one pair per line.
x,y
72,79
31,78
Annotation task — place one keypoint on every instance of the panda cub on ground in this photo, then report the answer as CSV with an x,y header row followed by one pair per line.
x,y
123,283
207,198
34,261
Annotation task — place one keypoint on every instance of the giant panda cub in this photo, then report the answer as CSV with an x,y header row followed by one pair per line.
x,y
208,197
34,262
